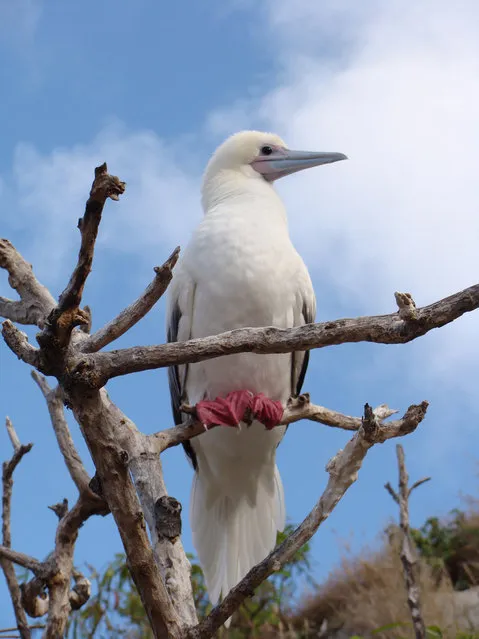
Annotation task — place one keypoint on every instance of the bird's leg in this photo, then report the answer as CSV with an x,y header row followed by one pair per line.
x,y
225,411
267,411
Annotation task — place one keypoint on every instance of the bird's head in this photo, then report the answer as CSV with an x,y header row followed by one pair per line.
x,y
260,156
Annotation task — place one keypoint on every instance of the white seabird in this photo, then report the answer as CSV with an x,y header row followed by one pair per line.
x,y
240,269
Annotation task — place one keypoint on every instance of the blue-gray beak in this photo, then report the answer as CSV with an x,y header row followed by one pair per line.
x,y
284,162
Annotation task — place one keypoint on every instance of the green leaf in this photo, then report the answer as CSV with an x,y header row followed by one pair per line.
x,y
389,626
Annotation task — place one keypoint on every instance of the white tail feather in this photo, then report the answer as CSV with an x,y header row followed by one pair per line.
x,y
231,535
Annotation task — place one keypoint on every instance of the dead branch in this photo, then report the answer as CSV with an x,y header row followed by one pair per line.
x,y
343,471
68,314
60,567
137,310
408,555
35,599
35,302
418,483
17,341
380,329
21,559
50,590
70,454
296,409
81,591
35,626
8,569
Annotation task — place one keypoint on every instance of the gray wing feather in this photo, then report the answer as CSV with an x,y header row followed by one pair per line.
x,y
300,360
177,375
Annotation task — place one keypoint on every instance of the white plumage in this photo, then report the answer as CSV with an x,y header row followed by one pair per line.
x,y
240,269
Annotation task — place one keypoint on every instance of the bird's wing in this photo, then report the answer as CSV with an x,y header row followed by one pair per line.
x,y
306,304
179,318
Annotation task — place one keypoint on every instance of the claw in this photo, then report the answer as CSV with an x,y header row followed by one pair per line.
x,y
267,411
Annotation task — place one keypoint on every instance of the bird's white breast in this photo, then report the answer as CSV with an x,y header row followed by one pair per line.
x,y
247,274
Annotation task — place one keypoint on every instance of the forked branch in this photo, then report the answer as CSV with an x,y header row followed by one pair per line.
x,y
408,554
6,562
137,310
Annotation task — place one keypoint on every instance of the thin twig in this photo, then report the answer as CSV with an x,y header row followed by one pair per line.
x,y
418,483
35,626
137,310
7,567
67,447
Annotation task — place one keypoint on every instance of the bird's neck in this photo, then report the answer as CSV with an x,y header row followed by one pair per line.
x,y
234,189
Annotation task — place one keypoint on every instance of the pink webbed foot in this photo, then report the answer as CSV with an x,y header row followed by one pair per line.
x,y
267,411
239,406
227,411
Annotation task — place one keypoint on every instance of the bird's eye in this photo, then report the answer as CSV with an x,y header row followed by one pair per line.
x,y
266,150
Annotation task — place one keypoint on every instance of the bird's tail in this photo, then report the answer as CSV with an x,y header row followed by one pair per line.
x,y
233,533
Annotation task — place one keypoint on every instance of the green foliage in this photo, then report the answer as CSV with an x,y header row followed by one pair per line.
x,y
451,546
116,610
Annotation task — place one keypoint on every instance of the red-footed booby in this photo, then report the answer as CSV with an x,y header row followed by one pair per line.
x,y
239,270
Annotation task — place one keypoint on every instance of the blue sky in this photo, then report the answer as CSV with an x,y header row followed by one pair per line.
x,y
152,89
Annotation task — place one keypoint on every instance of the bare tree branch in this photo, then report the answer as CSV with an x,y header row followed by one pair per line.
x,y
408,555
21,559
60,565
392,492
8,569
418,483
381,329
343,471
296,409
17,341
35,300
68,314
81,591
137,310
56,571
12,434
65,442
35,598
35,626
